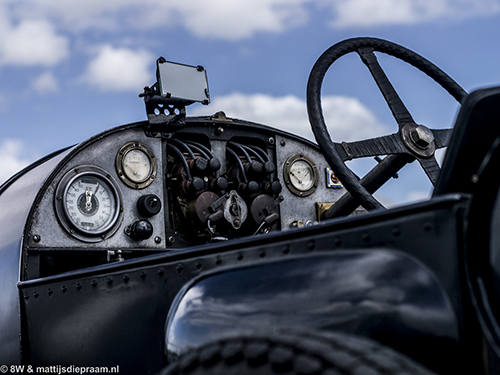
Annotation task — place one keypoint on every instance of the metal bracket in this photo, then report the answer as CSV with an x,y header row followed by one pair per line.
x,y
165,115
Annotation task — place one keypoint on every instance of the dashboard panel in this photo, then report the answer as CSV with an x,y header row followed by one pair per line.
x,y
127,192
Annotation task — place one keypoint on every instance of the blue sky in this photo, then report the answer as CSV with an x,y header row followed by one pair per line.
x,y
70,69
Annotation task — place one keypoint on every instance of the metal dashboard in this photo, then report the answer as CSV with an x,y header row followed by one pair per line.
x,y
127,193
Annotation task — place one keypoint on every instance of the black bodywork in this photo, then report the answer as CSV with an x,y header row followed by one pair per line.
x,y
422,279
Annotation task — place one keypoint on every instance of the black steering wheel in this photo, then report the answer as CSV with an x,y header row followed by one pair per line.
x,y
410,142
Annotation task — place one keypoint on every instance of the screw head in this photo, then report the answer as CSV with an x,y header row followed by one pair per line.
x,y
422,137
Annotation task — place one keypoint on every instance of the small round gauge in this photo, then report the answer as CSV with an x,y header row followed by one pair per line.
x,y
300,175
88,203
136,165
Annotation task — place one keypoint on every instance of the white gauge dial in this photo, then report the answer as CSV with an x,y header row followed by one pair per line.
x,y
136,165
90,203
301,175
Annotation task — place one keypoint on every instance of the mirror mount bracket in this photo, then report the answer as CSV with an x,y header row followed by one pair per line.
x,y
165,115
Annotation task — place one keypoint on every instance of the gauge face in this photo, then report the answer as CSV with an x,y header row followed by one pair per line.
x,y
136,165
88,203
301,175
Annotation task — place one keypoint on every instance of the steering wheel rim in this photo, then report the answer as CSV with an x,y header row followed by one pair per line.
x,y
366,47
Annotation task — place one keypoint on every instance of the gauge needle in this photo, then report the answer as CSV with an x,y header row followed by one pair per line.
x,y
132,169
88,199
298,180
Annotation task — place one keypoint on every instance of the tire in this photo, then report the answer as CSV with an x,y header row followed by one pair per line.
x,y
292,353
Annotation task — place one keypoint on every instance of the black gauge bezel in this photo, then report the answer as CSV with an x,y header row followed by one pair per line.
x,y
286,174
61,209
122,174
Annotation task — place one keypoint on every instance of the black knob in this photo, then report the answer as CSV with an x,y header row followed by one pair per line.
x,y
220,183
269,167
214,164
273,188
251,188
141,230
254,168
196,184
200,165
148,205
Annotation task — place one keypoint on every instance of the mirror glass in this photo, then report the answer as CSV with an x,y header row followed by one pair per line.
x,y
183,82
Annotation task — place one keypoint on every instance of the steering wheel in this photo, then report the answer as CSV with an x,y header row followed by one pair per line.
x,y
410,142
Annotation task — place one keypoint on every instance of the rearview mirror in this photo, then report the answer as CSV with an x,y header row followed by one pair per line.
x,y
183,82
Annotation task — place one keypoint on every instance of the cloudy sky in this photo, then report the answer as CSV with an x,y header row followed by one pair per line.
x,y
70,69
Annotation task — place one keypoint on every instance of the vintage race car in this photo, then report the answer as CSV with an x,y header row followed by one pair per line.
x,y
217,245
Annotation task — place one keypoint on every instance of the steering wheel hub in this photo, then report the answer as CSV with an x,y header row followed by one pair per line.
x,y
419,139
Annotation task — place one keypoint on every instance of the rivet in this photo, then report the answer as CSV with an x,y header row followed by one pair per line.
x,y
126,278
270,141
240,257
161,272
64,289
36,238
282,143
158,239
179,268
35,295
198,266
78,286
218,261
171,240
109,281
49,292
366,238
143,275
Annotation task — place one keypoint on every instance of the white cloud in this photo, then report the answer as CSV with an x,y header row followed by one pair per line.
x,y
119,69
368,13
13,156
46,83
228,19
234,20
224,19
347,118
32,42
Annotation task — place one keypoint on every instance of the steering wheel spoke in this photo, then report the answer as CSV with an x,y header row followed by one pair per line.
x,y
386,145
442,137
399,110
431,168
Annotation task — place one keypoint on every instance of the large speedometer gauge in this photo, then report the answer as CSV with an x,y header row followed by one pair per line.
x,y
88,203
